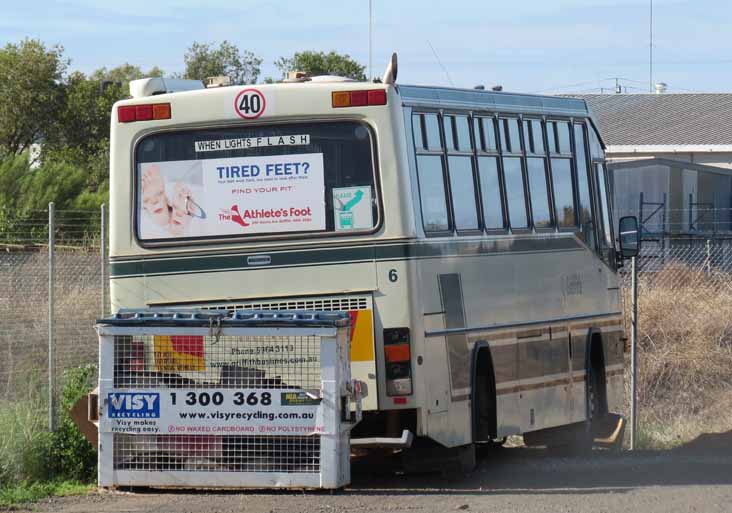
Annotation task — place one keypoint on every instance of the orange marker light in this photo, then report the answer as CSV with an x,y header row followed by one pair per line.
x,y
341,99
397,353
161,111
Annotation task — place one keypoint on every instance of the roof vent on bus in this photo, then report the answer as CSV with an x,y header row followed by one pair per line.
x,y
331,78
158,85
218,81
296,76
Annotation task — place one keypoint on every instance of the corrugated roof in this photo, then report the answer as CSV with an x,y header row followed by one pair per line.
x,y
662,119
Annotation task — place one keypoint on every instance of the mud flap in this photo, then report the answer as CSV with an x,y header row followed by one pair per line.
x,y
609,431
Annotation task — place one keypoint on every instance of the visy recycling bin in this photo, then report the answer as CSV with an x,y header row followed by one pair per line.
x,y
225,399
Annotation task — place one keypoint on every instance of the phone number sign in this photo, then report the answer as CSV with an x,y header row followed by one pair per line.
x,y
224,411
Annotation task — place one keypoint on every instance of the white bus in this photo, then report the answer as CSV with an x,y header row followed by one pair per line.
x,y
468,233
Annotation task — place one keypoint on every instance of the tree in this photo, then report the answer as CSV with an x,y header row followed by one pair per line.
x,y
124,74
31,92
204,60
321,63
80,133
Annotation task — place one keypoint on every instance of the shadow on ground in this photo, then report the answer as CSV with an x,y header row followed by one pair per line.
x,y
704,461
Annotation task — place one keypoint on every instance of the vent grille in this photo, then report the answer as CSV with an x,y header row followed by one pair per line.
x,y
326,304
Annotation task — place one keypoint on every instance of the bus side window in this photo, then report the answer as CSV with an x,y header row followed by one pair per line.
x,y
513,174
432,193
563,192
489,175
460,172
536,169
490,191
430,172
585,216
604,207
513,177
563,183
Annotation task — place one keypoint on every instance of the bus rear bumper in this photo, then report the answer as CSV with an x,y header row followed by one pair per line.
x,y
384,442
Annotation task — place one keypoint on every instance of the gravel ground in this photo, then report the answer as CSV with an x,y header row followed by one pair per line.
x,y
519,480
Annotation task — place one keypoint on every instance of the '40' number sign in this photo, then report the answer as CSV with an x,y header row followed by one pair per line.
x,y
250,103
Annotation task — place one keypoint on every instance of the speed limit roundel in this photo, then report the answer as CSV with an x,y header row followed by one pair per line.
x,y
250,103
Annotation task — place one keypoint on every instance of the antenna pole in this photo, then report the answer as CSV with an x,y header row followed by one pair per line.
x,y
371,35
650,50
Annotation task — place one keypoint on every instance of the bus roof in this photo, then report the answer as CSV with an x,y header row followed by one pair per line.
x,y
447,97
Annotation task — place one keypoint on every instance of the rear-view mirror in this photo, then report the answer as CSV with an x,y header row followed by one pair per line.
x,y
629,236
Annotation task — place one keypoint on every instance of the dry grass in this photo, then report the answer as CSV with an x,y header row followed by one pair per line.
x,y
685,354
24,314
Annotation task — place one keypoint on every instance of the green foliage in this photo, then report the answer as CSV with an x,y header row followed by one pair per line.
x,y
25,492
25,190
36,463
73,457
25,444
82,122
204,60
321,63
31,92
122,75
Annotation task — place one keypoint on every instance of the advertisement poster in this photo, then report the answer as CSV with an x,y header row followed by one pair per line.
x,y
352,208
232,196
280,412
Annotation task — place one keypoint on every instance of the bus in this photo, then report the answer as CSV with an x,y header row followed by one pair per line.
x,y
467,232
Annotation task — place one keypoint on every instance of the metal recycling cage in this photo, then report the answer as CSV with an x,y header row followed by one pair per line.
x,y
191,398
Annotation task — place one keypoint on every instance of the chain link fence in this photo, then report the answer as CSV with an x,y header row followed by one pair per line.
x,y
684,336
62,276
684,318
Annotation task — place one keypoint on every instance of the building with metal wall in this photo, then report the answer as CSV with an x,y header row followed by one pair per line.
x,y
670,158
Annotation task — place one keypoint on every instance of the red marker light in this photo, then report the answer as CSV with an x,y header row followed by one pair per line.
x,y
126,114
143,112
359,98
147,112
377,97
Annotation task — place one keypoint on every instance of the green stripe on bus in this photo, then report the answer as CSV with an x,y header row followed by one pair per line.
x,y
302,257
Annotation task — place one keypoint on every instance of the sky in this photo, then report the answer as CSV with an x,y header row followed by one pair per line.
x,y
537,46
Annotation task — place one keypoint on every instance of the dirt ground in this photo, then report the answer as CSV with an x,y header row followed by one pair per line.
x,y
517,480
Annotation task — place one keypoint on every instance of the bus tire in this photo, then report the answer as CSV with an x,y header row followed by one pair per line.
x,y
596,385
595,393
483,395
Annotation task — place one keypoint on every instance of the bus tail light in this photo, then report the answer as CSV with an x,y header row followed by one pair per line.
x,y
146,112
397,356
358,98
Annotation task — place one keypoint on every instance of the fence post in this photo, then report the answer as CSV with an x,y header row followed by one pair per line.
x,y
103,258
709,258
633,354
51,359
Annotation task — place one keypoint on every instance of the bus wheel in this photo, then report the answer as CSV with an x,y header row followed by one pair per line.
x,y
484,398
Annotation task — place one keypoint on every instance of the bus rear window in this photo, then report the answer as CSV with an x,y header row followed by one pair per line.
x,y
247,181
